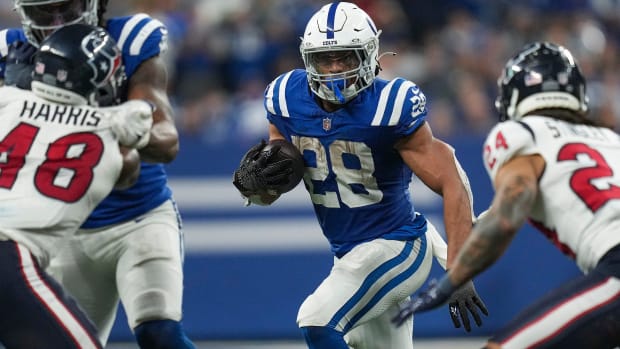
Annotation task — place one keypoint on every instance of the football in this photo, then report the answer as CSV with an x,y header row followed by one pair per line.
x,y
288,151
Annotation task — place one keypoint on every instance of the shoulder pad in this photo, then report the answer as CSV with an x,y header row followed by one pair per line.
x,y
275,94
401,103
10,94
139,37
505,141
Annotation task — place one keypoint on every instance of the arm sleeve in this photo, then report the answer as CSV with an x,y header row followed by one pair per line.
x,y
7,37
401,106
140,38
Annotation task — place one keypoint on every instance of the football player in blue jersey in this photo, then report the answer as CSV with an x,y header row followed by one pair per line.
x,y
362,138
131,245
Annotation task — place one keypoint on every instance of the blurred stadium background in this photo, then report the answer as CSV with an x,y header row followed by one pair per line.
x,y
248,269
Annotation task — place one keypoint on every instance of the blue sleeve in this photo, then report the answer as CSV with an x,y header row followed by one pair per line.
x,y
7,37
139,37
401,106
275,102
414,110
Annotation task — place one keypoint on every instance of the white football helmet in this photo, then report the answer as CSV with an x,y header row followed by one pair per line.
x,y
41,17
341,26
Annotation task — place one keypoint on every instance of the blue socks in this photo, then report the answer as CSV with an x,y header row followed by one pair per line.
x,y
323,338
162,334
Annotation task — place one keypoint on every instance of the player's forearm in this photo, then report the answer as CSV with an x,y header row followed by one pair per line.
x,y
466,184
494,232
149,82
131,169
457,219
486,243
163,145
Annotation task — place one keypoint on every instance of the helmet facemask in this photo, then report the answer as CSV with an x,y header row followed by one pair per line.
x,y
338,87
340,29
41,17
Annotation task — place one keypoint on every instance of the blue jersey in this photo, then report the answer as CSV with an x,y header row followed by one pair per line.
x,y
7,37
358,183
140,38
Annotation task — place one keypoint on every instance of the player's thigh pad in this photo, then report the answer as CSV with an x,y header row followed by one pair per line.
x,y
367,281
86,268
381,333
149,273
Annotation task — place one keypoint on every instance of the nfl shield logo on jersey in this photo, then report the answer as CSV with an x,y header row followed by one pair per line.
x,y
327,124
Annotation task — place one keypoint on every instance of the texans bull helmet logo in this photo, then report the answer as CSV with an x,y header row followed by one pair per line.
x,y
105,59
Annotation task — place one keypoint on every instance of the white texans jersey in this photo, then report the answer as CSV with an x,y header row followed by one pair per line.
x,y
57,162
578,205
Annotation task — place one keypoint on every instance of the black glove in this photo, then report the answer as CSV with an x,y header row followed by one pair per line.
x,y
258,172
19,64
437,294
464,299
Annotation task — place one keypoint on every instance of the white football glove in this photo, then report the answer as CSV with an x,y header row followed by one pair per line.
x,y
131,122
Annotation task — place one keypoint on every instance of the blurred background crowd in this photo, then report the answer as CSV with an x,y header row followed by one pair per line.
x,y
224,52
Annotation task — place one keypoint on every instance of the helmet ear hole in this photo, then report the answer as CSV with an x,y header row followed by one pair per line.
x,y
541,76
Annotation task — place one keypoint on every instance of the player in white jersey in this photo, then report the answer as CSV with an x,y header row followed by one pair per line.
x,y
130,248
553,165
362,138
59,157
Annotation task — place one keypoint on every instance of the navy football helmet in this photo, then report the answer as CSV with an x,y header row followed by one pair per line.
x,y
79,64
541,76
